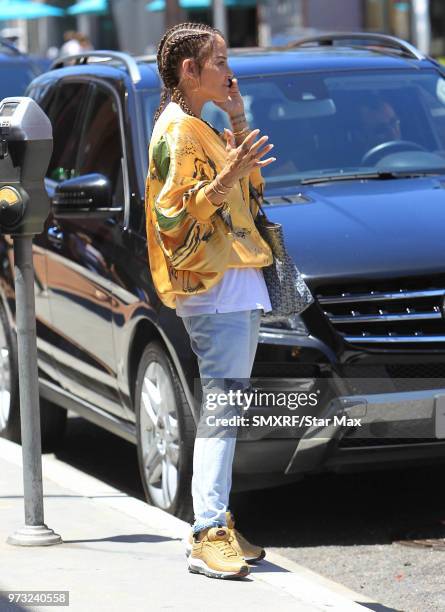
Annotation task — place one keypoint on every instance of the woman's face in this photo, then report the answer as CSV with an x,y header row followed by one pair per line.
x,y
215,74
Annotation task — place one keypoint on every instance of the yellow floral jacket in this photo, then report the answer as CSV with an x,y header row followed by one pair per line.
x,y
191,241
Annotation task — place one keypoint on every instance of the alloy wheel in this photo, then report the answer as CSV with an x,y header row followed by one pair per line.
x,y
159,435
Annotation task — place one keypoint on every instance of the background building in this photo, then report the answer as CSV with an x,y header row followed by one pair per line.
x,y
137,25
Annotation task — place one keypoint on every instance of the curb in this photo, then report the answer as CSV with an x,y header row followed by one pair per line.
x,y
298,581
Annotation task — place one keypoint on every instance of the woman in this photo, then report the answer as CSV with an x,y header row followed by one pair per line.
x,y
206,257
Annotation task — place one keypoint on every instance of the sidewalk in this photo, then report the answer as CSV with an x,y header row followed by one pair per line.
x,y
119,553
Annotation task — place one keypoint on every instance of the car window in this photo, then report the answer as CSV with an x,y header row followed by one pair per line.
x,y
349,122
65,116
329,124
149,102
44,94
101,148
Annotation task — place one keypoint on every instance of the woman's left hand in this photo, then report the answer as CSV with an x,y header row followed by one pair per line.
x,y
234,105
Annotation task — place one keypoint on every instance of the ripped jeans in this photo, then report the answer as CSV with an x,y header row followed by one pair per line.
x,y
225,345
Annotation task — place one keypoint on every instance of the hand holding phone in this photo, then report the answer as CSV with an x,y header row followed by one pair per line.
x,y
234,104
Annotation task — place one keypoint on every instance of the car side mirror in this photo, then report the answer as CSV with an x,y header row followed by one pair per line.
x,y
89,195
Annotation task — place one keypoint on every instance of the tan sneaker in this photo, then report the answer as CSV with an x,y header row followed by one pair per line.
x,y
249,551
214,555
245,549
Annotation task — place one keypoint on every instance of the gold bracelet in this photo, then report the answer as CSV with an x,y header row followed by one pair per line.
x,y
219,181
207,190
218,193
216,190
215,185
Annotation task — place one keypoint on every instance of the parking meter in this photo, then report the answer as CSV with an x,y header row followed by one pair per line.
x,y
25,150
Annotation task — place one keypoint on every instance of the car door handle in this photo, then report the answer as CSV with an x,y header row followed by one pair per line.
x,y
55,235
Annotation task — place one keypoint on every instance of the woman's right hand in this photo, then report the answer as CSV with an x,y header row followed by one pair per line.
x,y
242,159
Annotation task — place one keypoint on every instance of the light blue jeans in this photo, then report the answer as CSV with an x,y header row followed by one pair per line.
x,y
225,345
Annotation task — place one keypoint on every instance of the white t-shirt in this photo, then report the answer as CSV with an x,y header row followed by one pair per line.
x,y
71,47
239,289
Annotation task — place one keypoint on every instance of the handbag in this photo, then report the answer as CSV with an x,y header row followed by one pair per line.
x,y
287,289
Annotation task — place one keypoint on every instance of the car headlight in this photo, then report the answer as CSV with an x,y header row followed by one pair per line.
x,y
292,323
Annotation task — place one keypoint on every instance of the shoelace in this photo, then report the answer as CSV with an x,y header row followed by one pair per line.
x,y
225,547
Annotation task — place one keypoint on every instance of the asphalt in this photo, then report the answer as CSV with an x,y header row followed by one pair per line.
x,y
119,553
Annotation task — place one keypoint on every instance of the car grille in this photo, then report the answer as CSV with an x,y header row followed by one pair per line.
x,y
394,377
387,315
417,376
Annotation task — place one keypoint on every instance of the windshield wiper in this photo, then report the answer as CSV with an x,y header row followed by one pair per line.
x,y
379,176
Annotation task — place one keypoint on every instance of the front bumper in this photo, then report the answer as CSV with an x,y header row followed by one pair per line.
x,y
399,422
405,421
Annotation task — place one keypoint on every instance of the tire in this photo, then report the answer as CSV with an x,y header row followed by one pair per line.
x,y
53,420
165,434
52,417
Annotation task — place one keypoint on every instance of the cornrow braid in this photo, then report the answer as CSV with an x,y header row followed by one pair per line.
x,y
179,42
179,99
185,27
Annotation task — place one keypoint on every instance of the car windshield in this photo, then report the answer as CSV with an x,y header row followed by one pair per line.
x,y
14,78
345,123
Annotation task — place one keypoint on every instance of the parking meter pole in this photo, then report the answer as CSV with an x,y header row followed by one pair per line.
x,y
35,532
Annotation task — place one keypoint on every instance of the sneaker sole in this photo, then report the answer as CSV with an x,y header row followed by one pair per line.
x,y
263,554
198,566
188,550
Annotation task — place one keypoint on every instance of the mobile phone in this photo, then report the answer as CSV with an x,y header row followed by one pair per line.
x,y
230,81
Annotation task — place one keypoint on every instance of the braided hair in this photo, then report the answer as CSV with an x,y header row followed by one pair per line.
x,y
182,41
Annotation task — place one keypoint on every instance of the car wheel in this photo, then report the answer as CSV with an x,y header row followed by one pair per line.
x,y
52,417
165,434
53,420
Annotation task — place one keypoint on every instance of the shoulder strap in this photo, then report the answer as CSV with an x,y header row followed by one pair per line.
x,y
255,195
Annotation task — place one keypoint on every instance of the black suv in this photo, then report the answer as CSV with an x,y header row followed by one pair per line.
x,y
358,123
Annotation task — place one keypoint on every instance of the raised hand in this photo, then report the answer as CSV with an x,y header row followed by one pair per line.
x,y
242,159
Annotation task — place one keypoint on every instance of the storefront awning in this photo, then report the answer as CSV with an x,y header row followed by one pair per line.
x,y
88,7
196,5
25,9
159,5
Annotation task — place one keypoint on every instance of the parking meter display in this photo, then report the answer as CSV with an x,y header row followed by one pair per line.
x,y
8,109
